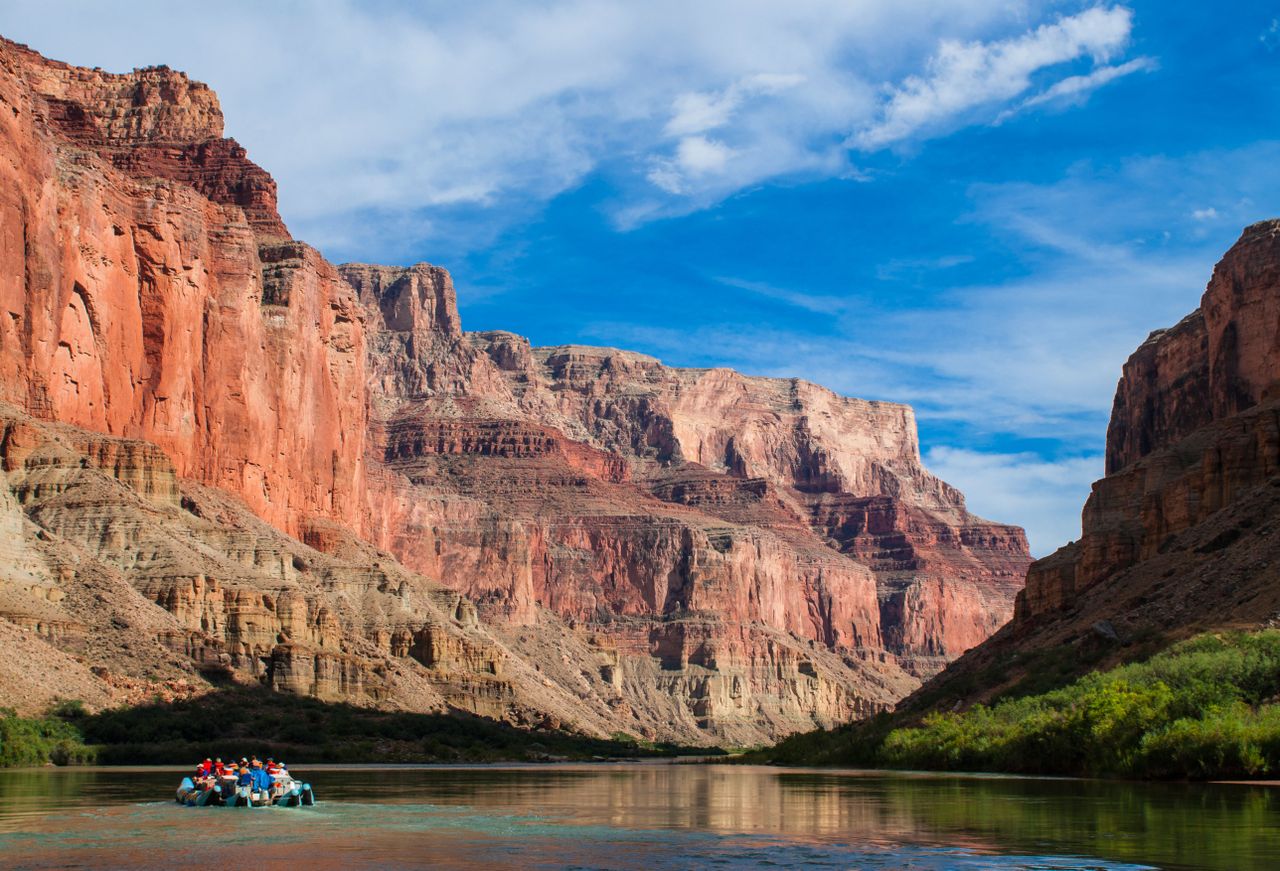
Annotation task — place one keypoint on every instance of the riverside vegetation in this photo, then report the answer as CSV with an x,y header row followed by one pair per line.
x,y
1208,707
42,740
296,728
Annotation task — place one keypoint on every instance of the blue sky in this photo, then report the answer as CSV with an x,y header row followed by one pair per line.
x,y
979,207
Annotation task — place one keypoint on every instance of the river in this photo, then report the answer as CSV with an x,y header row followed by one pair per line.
x,y
639,816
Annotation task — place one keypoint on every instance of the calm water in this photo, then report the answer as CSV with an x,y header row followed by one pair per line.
x,y
639,816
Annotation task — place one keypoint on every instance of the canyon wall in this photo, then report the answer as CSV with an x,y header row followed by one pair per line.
x,y
1180,536
149,290
580,534
1191,430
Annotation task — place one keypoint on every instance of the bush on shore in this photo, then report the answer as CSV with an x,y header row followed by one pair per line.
x,y
40,741
1205,708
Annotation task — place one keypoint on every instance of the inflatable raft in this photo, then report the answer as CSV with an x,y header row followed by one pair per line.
x,y
293,793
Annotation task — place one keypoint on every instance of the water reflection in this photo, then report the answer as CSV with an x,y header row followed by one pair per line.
x,y
654,816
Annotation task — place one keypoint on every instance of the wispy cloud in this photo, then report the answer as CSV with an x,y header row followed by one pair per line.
x,y
696,112
913,267
818,303
1036,355
1075,89
965,75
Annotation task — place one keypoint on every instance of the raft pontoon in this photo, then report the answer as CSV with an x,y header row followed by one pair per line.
x,y
293,793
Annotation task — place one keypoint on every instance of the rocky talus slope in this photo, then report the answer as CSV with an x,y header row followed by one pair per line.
x,y
331,488
144,583
1183,534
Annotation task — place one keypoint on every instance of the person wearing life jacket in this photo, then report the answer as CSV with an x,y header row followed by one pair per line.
x,y
261,780
279,780
198,778
205,768
218,768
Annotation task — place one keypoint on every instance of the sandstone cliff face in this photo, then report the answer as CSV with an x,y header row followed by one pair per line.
x,y
1221,359
100,531
684,554
152,298
1180,535
785,455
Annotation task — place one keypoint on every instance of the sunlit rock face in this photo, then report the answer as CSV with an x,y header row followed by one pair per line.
x,y
147,290
687,554
1180,536
156,584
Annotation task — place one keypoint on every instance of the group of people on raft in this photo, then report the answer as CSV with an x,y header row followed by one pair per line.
x,y
271,777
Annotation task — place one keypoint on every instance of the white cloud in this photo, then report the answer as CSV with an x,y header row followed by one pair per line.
x,y
965,75
372,115
920,266
1270,37
1209,214
1074,89
695,156
695,112
819,303
1045,497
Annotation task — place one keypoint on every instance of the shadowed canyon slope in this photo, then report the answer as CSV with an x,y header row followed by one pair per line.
x,y
1181,536
260,464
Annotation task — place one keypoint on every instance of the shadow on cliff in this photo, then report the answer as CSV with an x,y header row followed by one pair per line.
x,y
240,721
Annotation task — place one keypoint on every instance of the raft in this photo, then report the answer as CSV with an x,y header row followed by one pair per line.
x,y
228,794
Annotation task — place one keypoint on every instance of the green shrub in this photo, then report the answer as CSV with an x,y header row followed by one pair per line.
x,y
1200,709
40,741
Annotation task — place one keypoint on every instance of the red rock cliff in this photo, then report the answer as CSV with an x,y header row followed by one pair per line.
x,y
1180,446
148,289
781,468
689,554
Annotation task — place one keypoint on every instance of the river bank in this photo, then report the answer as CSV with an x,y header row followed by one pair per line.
x,y
237,720
1204,709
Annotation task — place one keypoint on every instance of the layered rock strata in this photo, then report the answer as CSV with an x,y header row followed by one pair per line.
x,y
99,531
688,554
726,534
